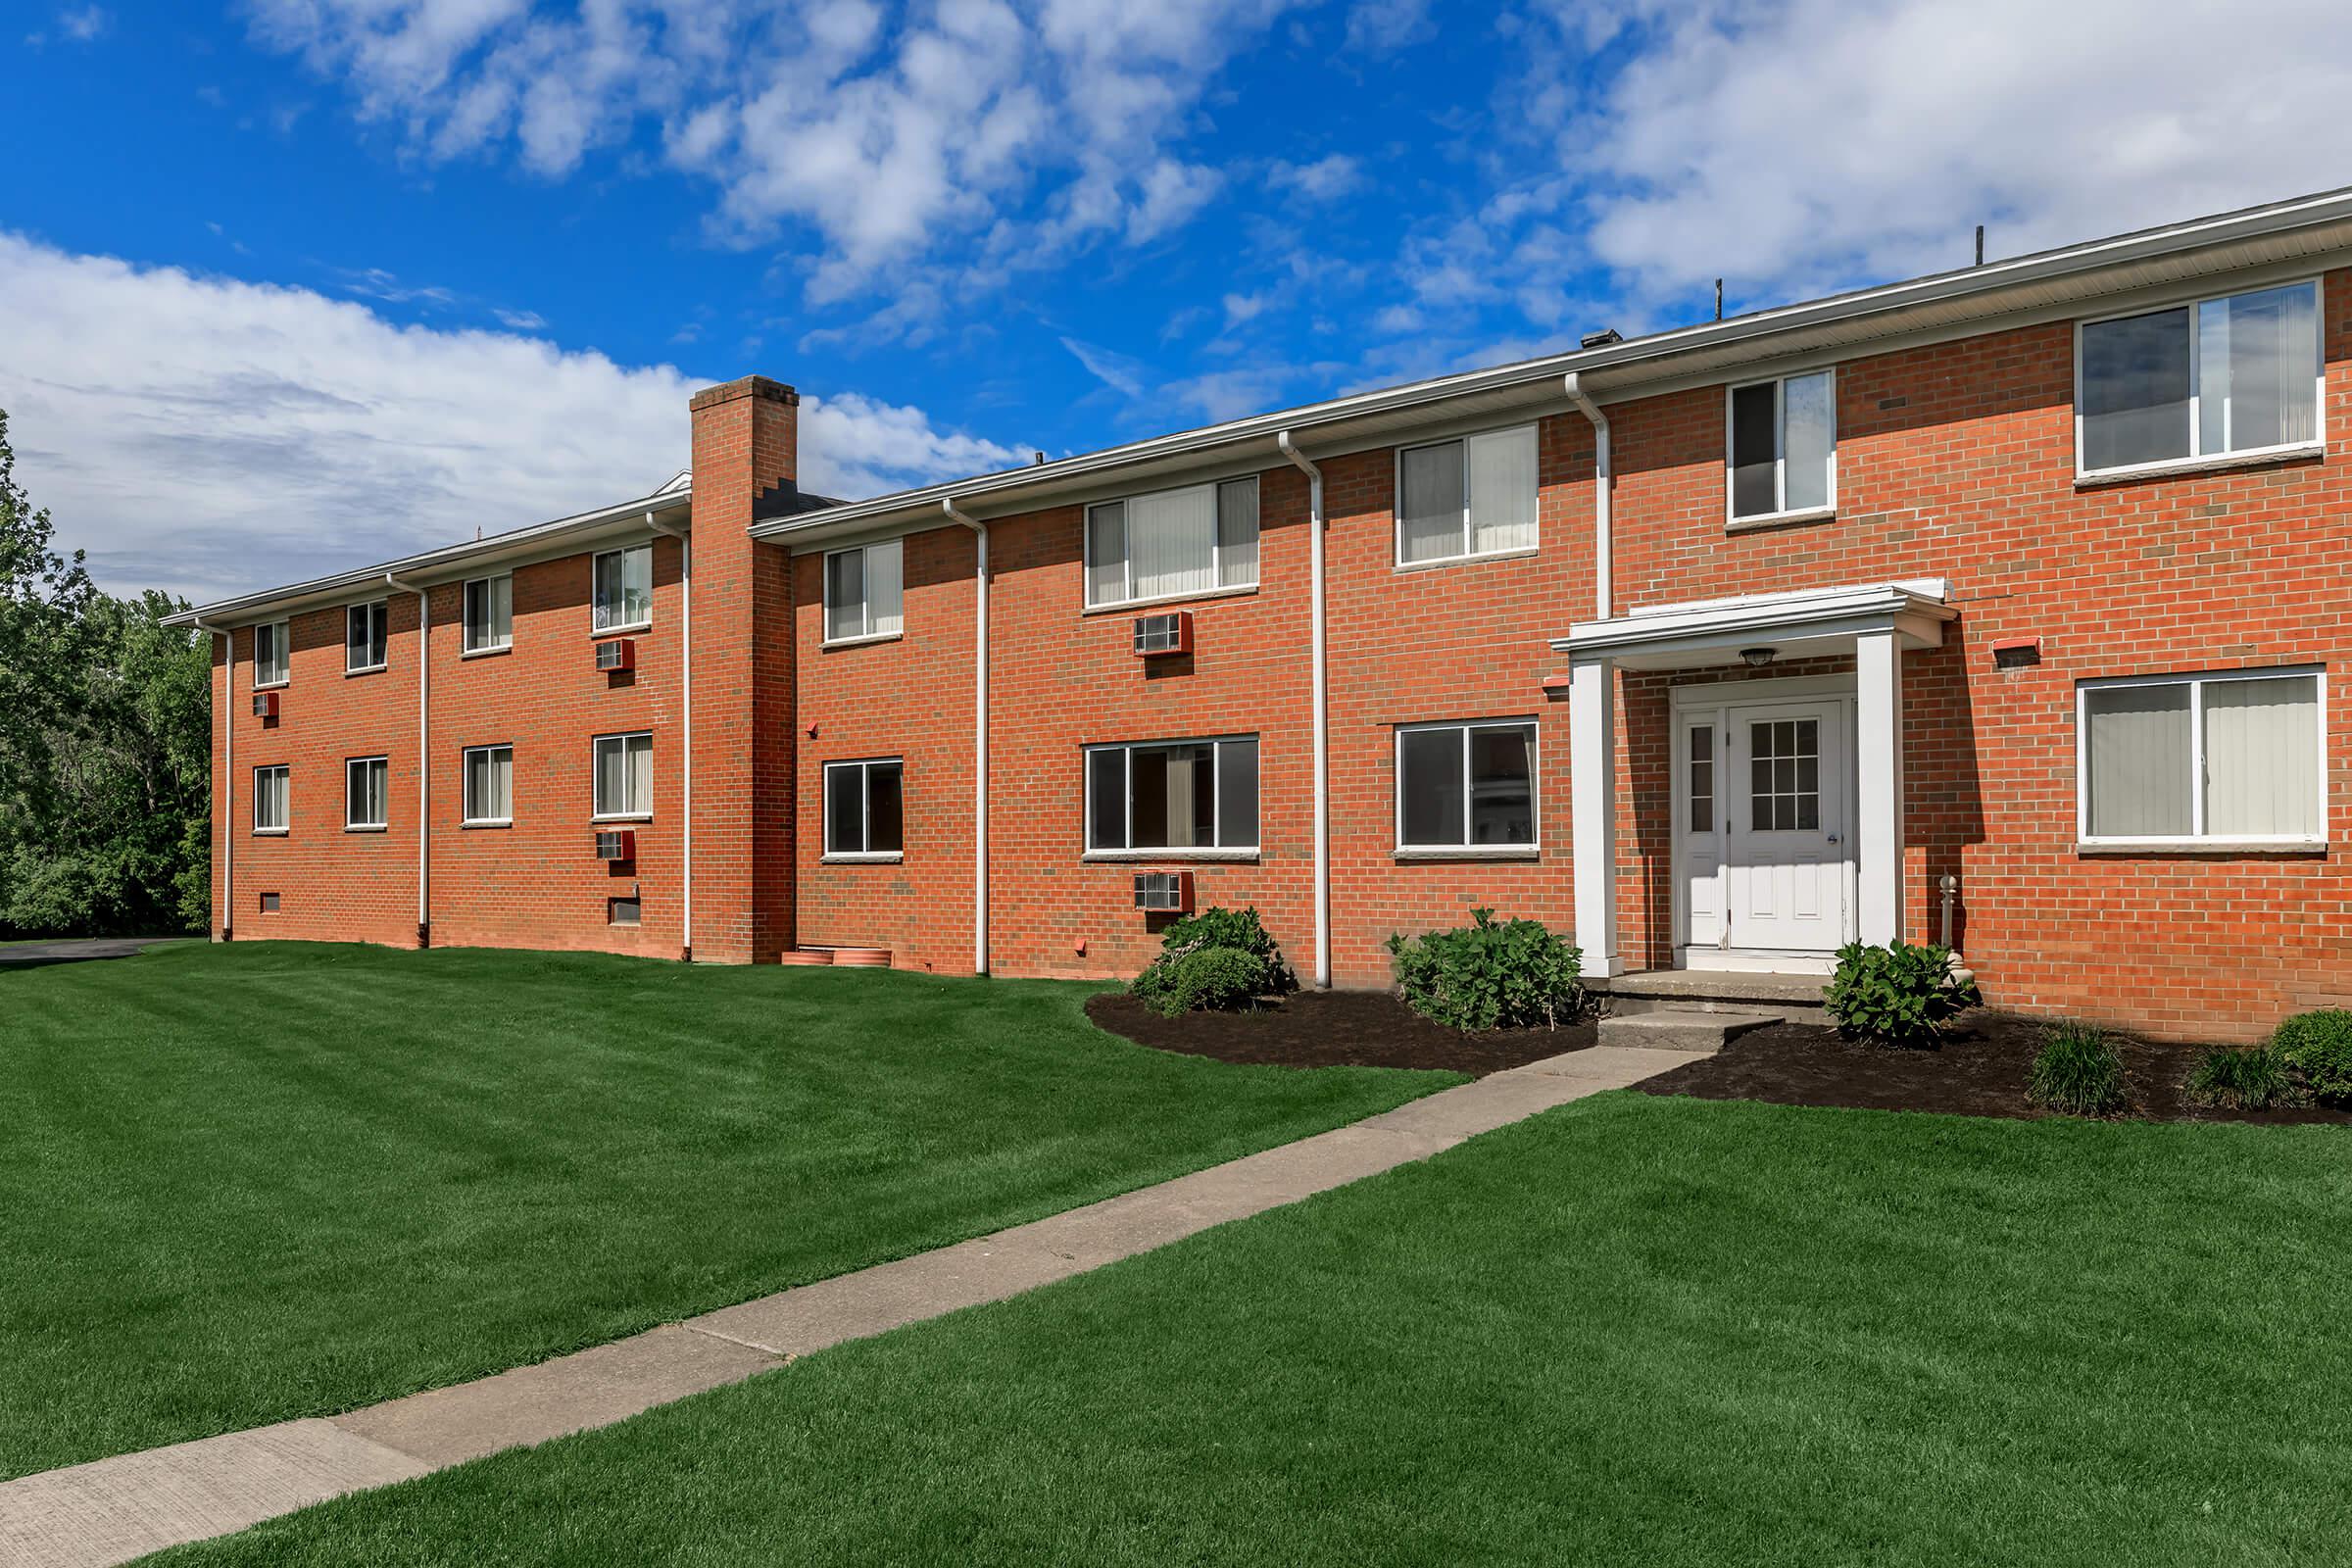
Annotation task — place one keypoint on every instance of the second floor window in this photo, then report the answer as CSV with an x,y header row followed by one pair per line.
x,y
365,636
269,651
489,614
1172,543
2237,374
625,775
865,591
1473,497
366,784
625,589
269,800
1781,451
1173,795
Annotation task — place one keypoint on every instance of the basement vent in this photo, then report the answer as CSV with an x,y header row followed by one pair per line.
x,y
269,904
623,912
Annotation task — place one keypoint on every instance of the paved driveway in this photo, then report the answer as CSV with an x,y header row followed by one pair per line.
x,y
74,949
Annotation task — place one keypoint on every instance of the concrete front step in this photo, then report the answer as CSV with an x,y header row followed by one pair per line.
x,y
1788,998
1680,1029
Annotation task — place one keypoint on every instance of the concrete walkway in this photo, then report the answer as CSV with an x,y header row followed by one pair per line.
x,y
112,1510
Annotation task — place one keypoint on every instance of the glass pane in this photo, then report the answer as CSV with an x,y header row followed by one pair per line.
x,y
637,585
1106,554
845,594
1173,795
606,591
2257,369
501,611
2262,758
1808,421
1107,799
477,784
844,809
475,615
1502,797
1429,767
1237,533
1171,538
501,783
641,773
1502,490
884,810
2140,761
2135,390
611,783
1702,780
1430,527
883,577
1754,490
1237,794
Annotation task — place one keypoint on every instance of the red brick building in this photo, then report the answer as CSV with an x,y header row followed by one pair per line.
x,y
1715,648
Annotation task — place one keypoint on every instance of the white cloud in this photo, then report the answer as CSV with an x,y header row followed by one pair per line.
x,y
1325,180
1118,371
1381,25
83,24
207,435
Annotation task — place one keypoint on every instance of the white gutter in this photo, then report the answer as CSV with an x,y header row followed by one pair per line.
x,y
979,736
1321,743
1605,478
686,590
424,756
228,773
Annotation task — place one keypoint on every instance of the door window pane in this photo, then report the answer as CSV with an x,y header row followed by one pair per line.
x,y
1785,776
2139,753
2262,758
1755,489
1702,780
2135,390
1430,525
1429,781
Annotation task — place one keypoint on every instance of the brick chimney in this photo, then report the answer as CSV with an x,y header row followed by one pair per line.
x,y
746,438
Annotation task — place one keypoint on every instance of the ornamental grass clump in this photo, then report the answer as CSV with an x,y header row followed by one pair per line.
x,y
1218,959
2319,1046
1491,974
2078,1072
1897,994
2256,1078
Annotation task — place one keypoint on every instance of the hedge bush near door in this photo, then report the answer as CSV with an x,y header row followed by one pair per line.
x,y
1491,974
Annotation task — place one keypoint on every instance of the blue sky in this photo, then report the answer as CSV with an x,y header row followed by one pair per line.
x,y
296,284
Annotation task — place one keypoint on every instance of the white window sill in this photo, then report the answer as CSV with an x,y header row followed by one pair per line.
x,y
365,669
1471,852
1124,606
1133,856
2213,465
1781,520
860,642
366,827
487,652
2201,847
1469,559
622,631
623,816
268,832
272,685
863,857
488,821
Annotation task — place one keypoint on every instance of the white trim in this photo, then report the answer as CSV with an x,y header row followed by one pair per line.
x,y
2194,460
282,829
864,640
380,823
1535,792
466,647
1235,856
1593,815
1533,427
621,817
2258,457
1129,605
465,819
861,857
1217,586
596,779
633,629
2197,840
1782,511
1781,520
1216,802
1461,561
865,809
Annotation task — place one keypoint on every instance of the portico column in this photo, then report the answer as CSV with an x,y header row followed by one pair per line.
x,y
1592,778
1878,806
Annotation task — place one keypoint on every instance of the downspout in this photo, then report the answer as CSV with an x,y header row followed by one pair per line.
x,y
686,589
424,756
979,735
1321,741
228,774
1604,476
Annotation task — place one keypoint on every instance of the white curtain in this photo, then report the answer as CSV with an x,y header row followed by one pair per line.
x,y
641,773
2140,761
1237,533
2262,758
1172,537
1502,490
1106,553
1430,527
1808,440
2258,359
885,573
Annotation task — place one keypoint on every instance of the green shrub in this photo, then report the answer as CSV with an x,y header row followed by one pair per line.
x,y
1897,994
2078,1072
2319,1046
1489,974
1214,959
2254,1079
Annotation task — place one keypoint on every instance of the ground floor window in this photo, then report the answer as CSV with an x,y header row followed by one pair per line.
x,y
1463,786
2235,756
864,809
489,785
1173,795
269,800
625,775
366,784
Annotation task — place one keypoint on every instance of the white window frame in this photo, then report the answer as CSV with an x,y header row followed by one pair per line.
x,y
866,806
2194,304
1781,511
596,776
383,822
1534,780
2197,838
467,648
465,816
280,829
281,639
376,610
1396,508
1218,588
866,607
1216,813
596,610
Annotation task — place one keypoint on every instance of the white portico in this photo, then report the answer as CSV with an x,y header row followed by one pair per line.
x,y
1788,791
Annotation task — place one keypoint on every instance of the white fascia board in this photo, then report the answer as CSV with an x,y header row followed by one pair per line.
x,y
1918,608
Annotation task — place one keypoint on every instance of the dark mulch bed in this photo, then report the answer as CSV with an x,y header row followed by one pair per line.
x,y
1334,1029
1978,1070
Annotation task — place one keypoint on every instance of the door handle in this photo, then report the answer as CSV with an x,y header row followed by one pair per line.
x,y
1832,838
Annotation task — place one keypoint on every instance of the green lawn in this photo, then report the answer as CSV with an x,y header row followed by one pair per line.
x,y
1630,1331
239,1183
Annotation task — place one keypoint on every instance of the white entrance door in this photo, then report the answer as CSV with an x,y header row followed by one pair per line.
x,y
1766,844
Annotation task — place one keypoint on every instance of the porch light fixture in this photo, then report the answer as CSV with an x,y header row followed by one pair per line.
x,y
1757,657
